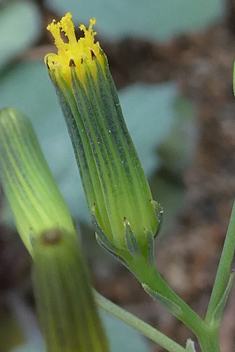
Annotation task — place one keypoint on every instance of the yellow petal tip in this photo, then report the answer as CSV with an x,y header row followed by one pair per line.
x,y
72,50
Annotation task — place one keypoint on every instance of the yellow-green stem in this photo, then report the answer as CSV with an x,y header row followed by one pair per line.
x,y
138,324
223,269
158,289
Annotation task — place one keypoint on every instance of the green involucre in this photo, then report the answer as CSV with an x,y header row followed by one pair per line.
x,y
67,311
66,307
33,194
116,189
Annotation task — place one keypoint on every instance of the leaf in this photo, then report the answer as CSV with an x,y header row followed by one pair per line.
x,y
21,24
153,19
217,316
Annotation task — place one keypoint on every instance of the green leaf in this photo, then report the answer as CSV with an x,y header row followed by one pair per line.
x,y
20,23
153,19
217,316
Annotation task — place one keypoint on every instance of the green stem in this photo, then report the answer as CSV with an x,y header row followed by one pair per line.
x,y
154,284
138,324
209,342
223,269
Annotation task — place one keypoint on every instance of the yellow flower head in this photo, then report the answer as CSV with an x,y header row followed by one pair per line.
x,y
117,192
73,52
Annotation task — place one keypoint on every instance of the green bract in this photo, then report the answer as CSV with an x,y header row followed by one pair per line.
x,y
117,192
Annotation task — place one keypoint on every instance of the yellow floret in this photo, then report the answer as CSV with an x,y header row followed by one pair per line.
x,y
78,51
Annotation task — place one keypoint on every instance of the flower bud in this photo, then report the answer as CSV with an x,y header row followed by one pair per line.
x,y
66,307
32,192
117,192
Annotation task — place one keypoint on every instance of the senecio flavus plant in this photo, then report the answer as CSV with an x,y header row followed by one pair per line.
x,y
66,307
125,217
117,193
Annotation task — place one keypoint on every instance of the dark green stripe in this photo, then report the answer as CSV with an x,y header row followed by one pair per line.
x,y
21,141
65,101
139,186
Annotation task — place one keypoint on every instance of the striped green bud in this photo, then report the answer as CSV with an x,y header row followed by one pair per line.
x,y
67,311
32,192
117,192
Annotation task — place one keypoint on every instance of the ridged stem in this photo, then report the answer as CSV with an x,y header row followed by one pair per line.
x,y
145,329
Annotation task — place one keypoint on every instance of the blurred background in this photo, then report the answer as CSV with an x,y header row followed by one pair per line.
x,y
172,62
